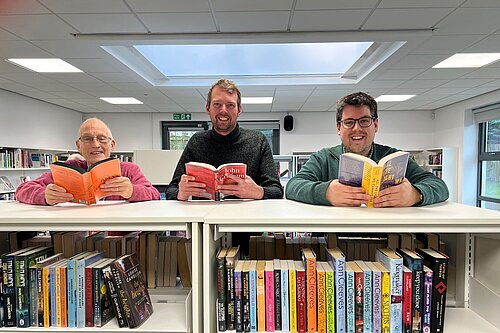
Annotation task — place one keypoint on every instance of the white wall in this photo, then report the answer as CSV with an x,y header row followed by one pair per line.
x,y
312,130
29,123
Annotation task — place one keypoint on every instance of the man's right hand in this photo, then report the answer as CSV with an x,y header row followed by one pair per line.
x,y
56,194
188,187
342,195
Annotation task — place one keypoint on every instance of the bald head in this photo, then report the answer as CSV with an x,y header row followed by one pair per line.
x,y
95,142
94,123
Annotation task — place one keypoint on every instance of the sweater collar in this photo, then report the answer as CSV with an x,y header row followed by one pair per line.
x,y
230,138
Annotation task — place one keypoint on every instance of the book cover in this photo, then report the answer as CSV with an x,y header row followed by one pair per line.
x,y
63,292
427,300
407,300
91,258
321,297
277,294
252,274
438,263
113,294
85,184
269,294
221,288
414,262
329,297
376,297
89,292
360,171
301,297
46,296
292,282
132,291
309,259
285,312
238,296
359,294
59,291
350,302
232,256
386,297
261,296
336,258
212,176
367,296
394,263
103,305
245,278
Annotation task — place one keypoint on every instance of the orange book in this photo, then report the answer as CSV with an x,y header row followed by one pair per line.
x,y
64,300
261,296
309,259
212,176
85,184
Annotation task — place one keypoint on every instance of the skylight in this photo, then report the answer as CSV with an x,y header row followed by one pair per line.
x,y
254,59
45,65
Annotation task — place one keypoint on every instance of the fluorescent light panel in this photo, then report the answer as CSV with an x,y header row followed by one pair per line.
x,y
48,65
121,100
393,98
466,60
256,100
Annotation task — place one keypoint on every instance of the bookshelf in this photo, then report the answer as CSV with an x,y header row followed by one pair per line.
x,y
471,311
175,310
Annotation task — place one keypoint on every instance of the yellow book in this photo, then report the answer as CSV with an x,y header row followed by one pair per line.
x,y
321,290
330,297
386,297
261,296
292,283
360,171
46,299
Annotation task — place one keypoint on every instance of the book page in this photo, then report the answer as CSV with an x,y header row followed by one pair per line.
x,y
71,180
101,173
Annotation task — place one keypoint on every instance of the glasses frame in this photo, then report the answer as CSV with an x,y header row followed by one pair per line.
x,y
95,137
342,122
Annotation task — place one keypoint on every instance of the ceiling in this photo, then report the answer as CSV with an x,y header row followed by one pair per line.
x,y
74,30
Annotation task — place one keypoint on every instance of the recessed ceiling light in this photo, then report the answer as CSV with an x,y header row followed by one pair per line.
x,y
464,60
121,100
256,100
52,65
393,98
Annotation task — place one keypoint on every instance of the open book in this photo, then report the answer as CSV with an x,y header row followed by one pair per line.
x,y
361,171
83,184
211,176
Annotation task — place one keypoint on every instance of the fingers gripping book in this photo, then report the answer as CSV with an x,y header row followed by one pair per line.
x,y
360,171
212,176
85,184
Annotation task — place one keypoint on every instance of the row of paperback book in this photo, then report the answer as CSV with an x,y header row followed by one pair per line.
x,y
403,291
43,289
21,158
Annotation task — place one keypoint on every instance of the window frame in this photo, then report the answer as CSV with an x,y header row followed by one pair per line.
x,y
167,126
484,156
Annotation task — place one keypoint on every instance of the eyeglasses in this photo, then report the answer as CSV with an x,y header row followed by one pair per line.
x,y
100,138
363,122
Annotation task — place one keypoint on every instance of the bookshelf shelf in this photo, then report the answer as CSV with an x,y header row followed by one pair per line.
x,y
24,169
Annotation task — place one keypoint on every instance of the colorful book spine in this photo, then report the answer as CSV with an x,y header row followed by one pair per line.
x,y
221,290
238,298
277,294
376,298
330,298
292,283
261,296
71,289
407,300
427,300
386,302
321,297
103,307
80,285
285,312
367,297
392,261
113,293
245,277
8,266
359,279
350,299
46,297
53,299
64,298
312,321
89,297
269,275
337,260
33,288
301,299
252,273
414,262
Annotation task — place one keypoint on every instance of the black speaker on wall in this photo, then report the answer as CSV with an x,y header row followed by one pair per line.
x,y
288,123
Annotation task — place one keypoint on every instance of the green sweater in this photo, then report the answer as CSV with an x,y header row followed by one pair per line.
x,y
313,179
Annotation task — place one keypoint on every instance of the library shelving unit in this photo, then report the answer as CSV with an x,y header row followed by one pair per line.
x,y
175,310
474,301
286,167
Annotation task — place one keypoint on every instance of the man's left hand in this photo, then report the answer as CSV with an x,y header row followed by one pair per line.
x,y
121,186
243,188
401,195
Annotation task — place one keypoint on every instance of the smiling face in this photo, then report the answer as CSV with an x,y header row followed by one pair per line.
x,y
94,150
357,139
223,110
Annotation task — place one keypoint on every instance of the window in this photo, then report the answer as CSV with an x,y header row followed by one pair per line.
x,y
176,134
270,128
489,165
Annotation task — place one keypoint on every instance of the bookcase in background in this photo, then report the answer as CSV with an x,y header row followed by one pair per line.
x,y
443,162
474,295
175,309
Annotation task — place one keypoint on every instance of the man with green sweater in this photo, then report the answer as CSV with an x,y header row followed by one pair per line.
x,y
357,122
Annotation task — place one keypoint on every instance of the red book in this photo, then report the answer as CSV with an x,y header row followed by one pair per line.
x,y
407,300
301,297
89,293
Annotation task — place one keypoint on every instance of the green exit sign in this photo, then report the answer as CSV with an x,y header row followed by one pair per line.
x,y
182,116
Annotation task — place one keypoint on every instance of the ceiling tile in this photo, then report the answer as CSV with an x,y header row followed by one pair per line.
x,y
484,73
447,45
254,5
5,35
470,21
37,27
113,77
256,108
465,83
419,4
394,74
22,7
16,87
443,73
481,3
494,84
162,6
21,49
479,90
72,77
422,83
325,20
408,18
96,65
378,83
72,48
87,6
105,23
179,22
489,44
419,61
252,21
337,4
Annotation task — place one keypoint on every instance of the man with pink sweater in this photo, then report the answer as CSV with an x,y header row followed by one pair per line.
x,y
95,143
